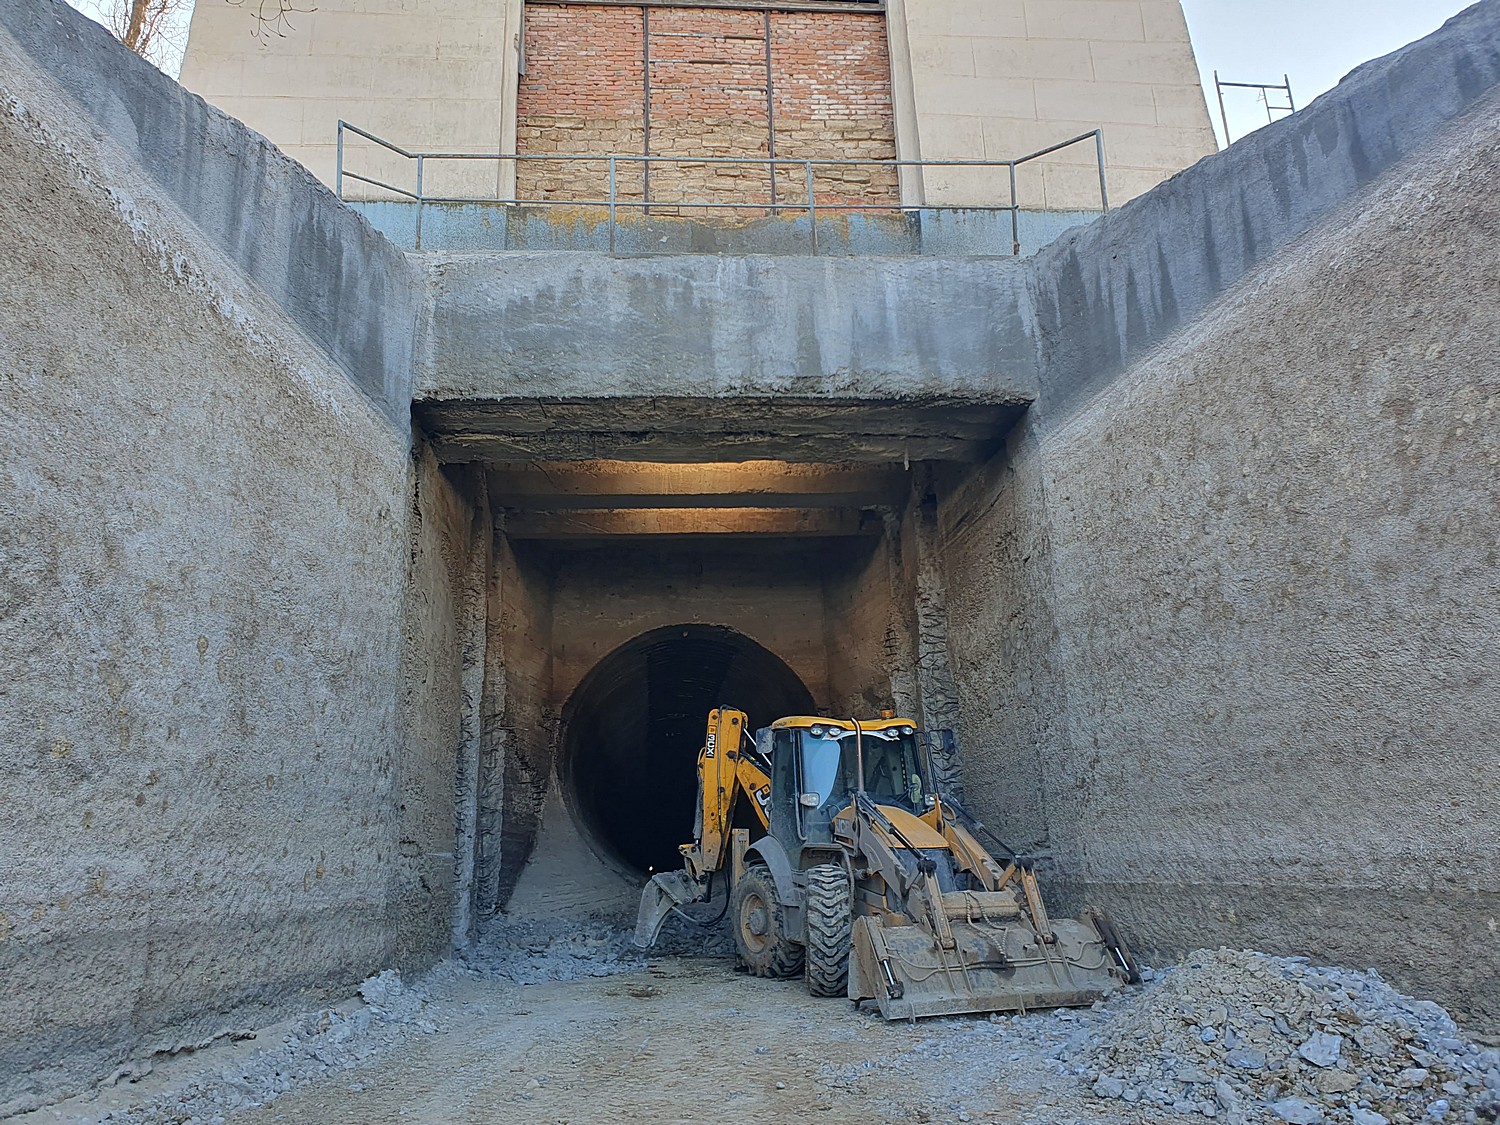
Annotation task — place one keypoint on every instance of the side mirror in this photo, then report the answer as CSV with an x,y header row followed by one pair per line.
x,y
810,800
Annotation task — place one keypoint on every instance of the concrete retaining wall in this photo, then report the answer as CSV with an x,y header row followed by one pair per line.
x,y
1241,597
205,550
342,285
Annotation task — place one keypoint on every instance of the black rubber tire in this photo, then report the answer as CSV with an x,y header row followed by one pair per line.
x,y
830,925
755,905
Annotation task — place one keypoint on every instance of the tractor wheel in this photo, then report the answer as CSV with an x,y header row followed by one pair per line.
x,y
760,926
830,922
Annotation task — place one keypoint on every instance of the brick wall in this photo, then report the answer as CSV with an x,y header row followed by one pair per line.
x,y
584,92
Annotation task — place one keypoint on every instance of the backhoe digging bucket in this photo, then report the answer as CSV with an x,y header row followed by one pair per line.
x,y
996,964
662,895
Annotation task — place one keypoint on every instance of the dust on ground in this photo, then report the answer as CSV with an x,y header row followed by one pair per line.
x,y
555,1023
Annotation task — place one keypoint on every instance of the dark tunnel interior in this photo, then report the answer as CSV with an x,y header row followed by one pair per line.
x,y
635,724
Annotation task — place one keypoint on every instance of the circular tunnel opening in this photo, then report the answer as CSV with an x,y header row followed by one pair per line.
x,y
634,726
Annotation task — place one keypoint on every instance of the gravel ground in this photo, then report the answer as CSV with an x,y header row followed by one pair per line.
x,y
554,1023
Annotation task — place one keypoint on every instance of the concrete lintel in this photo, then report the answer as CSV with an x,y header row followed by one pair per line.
x,y
981,418
683,449
681,430
614,523
516,325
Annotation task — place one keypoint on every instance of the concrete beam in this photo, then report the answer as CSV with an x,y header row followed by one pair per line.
x,y
759,484
671,449
695,430
615,523
838,328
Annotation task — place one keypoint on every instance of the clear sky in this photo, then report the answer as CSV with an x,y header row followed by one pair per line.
x,y
1315,42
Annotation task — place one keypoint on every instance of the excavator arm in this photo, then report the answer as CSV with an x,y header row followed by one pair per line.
x,y
727,767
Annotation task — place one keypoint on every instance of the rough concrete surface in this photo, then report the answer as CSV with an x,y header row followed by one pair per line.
x,y
566,876
1105,295
442,640
1249,610
203,527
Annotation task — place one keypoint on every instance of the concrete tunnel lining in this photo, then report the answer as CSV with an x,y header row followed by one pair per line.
x,y
634,725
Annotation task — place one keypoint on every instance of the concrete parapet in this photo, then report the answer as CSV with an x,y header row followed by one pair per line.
x,y
949,232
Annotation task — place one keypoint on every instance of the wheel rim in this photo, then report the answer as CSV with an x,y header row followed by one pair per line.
x,y
755,923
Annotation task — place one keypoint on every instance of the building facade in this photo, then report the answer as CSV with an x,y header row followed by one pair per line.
x,y
856,80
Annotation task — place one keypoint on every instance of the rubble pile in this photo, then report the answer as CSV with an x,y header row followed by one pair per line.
x,y
1248,1038
320,1044
529,951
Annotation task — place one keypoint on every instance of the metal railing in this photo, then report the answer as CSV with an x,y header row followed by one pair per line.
x,y
614,203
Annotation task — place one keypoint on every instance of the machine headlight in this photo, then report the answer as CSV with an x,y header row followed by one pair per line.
x,y
817,731
908,731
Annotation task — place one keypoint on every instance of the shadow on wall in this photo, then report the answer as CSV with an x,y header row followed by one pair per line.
x,y
633,728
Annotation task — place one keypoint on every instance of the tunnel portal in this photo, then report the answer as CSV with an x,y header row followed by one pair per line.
x,y
634,726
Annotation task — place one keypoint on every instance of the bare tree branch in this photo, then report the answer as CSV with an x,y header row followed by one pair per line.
x,y
150,28
272,17
157,29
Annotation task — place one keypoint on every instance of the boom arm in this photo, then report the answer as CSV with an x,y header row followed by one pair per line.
x,y
724,769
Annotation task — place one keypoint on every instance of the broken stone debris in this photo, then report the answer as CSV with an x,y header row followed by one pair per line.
x,y
1242,1035
529,951
321,1043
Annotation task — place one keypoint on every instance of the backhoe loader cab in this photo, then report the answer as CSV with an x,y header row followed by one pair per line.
x,y
815,772
845,866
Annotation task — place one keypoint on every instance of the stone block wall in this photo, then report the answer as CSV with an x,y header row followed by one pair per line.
x,y
585,90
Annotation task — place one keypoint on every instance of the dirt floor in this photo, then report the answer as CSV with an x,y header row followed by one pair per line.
x,y
574,1029
686,1039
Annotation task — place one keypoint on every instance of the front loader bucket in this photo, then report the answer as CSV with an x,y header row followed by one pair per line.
x,y
994,966
663,894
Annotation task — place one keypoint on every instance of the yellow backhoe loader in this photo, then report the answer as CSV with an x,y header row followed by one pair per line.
x,y
846,867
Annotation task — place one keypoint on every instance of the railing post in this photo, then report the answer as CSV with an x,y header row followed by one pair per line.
x,y
338,170
419,203
812,207
1099,152
612,182
1015,214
